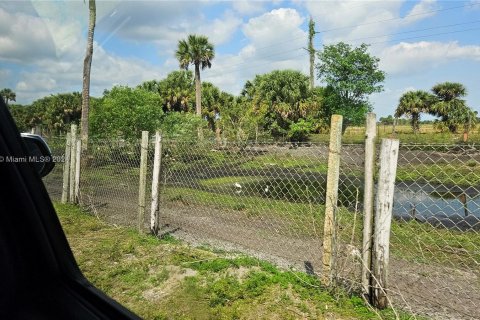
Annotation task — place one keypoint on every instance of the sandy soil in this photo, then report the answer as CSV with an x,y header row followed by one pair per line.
x,y
428,290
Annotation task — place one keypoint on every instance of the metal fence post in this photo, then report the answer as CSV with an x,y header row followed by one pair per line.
x,y
328,257
77,171
370,137
66,168
383,220
73,153
143,180
154,212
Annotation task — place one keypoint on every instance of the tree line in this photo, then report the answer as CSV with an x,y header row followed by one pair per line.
x,y
445,102
282,104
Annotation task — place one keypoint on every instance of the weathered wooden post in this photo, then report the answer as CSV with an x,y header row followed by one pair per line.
x,y
157,160
382,221
77,171
370,138
143,180
66,168
73,153
328,257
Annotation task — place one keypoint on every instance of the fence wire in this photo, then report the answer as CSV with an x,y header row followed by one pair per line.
x,y
435,236
110,179
54,180
263,198
268,200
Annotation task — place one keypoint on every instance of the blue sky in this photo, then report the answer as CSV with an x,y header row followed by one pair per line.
x,y
420,43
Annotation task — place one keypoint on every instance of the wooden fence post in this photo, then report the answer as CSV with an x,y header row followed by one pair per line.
x,y
73,154
370,137
143,181
66,168
328,257
382,220
77,171
157,160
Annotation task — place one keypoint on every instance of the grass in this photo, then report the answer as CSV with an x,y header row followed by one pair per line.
x,y
427,135
303,219
420,242
251,205
411,241
462,174
166,279
286,161
229,181
453,173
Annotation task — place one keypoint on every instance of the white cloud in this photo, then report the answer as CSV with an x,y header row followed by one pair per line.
x,y
272,27
475,4
24,38
352,19
220,31
55,75
266,50
345,20
248,7
165,24
36,82
4,74
407,58
108,68
25,7
421,10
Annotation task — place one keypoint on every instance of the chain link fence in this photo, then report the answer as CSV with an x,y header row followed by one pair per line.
x,y
110,180
268,200
435,235
54,180
265,199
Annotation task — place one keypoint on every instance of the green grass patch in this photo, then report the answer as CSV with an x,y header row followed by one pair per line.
x,y
420,242
454,173
286,161
166,279
250,204
230,181
427,135
412,241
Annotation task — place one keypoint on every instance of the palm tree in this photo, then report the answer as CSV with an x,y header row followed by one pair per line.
x,y
87,65
198,51
452,110
151,85
8,95
412,104
449,91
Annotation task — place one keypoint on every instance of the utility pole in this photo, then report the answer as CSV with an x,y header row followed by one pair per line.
x,y
311,50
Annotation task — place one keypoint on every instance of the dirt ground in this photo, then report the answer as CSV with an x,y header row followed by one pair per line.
x,y
434,291
427,290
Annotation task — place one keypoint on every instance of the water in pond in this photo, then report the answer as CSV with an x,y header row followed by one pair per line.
x,y
451,208
301,190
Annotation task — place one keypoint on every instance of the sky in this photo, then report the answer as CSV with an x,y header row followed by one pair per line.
x,y
419,43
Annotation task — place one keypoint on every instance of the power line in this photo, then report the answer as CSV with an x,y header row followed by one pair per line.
x,y
234,67
229,71
392,19
305,54
261,57
417,30
367,23
268,56
428,35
